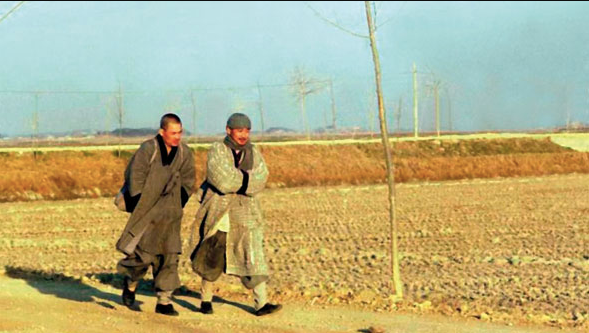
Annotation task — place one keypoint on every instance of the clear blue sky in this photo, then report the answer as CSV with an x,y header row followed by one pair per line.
x,y
502,65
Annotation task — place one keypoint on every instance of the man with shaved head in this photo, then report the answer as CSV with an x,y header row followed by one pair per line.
x,y
158,182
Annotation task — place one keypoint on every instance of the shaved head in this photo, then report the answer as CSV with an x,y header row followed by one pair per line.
x,y
169,118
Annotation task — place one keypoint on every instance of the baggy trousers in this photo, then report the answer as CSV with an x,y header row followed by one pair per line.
x,y
214,262
259,291
164,268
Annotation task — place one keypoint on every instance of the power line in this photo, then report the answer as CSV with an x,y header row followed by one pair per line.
x,y
106,92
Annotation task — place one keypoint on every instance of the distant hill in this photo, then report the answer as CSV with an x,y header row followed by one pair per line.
x,y
135,132
279,130
132,132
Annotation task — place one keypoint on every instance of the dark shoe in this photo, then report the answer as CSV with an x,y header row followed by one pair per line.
x,y
268,309
128,295
206,307
166,309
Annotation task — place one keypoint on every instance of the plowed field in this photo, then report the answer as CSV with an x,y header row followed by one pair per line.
x,y
513,250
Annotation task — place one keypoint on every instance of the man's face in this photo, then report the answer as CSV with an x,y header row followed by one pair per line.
x,y
239,135
172,134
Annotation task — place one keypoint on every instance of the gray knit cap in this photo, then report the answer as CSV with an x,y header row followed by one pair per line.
x,y
239,120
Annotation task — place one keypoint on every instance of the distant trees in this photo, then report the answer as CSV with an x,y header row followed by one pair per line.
x,y
303,84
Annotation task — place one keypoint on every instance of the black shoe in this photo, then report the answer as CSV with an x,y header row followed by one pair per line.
x,y
128,295
206,307
166,309
268,309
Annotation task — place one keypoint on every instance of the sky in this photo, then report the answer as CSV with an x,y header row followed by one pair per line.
x,y
501,66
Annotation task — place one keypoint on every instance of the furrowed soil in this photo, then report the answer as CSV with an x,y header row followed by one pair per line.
x,y
92,174
494,255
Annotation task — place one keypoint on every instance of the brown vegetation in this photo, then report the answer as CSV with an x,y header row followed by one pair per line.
x,y
506,250
69,174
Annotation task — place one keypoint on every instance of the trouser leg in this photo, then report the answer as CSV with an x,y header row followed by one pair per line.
x,y
133,267
164,297
206,291
165,276
257,284
260,296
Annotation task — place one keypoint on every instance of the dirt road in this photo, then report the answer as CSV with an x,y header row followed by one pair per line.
x,y
33,305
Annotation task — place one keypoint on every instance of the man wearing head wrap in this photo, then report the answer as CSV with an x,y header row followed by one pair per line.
x,y
229,220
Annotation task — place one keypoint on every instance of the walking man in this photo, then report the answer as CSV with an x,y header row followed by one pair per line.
x,y
229,220
159,180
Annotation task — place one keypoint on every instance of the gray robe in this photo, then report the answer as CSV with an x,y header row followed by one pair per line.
x,y
244,245
154,225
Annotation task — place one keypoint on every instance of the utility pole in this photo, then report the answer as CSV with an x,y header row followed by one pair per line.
x,y
302,85
333,114
437,106
261,107
415,118
302,90
450,128
120,111
192,100
35,125
398,114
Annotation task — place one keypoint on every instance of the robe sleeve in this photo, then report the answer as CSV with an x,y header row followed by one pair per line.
x,y
258,175
221,172
138,168
187,174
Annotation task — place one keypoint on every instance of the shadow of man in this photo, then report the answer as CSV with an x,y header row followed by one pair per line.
x,y
184,291
63,286
73,289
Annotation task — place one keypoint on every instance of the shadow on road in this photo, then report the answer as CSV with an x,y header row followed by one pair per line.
x,y
62,286
74,289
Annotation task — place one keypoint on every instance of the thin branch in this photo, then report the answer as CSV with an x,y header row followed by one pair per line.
x,y
12,10
335,24
391,18
375,14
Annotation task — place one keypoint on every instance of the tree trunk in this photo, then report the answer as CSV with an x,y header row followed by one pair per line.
x,y
398,286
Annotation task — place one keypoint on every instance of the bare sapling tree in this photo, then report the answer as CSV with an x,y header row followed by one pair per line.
x,y
302,85
397,284
3,17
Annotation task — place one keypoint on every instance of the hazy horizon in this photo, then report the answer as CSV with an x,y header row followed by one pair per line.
x,y
501,65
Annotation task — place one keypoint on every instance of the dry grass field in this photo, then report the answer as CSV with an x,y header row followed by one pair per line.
x,y
506,250
90,174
